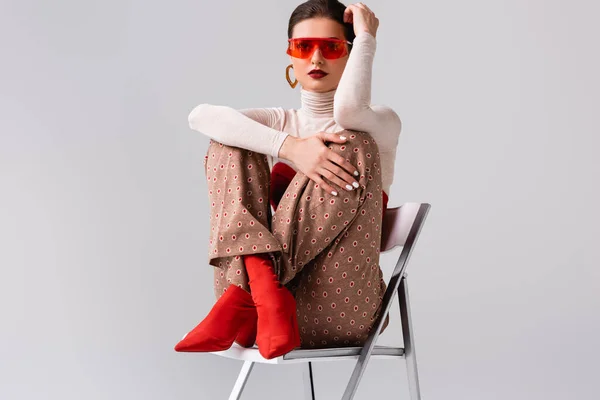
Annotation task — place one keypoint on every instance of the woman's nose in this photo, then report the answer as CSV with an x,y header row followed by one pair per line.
x,y
316,55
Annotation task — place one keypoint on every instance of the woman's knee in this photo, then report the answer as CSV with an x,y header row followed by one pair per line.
x,y
362,152
360,148
215,147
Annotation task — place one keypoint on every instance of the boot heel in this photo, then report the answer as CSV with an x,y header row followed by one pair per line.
x,y
246,336
275,306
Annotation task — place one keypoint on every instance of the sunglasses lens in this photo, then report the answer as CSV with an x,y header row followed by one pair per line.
x,y
333,49
303,48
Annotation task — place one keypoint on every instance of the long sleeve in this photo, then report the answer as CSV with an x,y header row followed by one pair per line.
x,y
251,128
352,102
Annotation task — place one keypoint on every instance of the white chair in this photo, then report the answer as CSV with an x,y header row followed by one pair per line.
x,y
401,227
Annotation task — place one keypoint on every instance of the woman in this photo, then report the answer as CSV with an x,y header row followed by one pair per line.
x,y
308,275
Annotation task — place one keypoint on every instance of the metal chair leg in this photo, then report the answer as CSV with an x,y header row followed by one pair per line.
x,y
361,364
309,387
409,341
242,378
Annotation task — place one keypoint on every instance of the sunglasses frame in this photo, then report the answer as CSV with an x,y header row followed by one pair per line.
x,y
319,39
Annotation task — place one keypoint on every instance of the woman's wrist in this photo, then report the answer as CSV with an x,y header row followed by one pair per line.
x,y
286,150
366,33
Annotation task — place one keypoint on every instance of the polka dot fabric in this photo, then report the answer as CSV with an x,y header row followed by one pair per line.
x,y
324,248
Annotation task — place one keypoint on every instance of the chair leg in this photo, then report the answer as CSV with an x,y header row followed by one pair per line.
x,y
309,387
409,341
361,366
236,393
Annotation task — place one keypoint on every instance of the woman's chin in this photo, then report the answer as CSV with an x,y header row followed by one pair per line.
x,y
317,85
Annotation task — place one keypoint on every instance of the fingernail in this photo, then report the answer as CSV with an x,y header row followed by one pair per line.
x,y
333,192
355,184
349,187
355,173
343,137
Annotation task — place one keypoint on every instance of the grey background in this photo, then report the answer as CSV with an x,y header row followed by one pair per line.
x,y
103,207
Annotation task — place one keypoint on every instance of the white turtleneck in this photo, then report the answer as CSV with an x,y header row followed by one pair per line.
x,y
346,107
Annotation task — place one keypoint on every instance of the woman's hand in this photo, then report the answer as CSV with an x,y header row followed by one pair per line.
x,y
317,161
362,18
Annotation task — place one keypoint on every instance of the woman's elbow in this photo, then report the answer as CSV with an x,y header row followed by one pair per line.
x,y
394,127
196,115
346,117
396,122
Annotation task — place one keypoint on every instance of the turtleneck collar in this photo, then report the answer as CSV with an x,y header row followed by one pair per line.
x,y
317,104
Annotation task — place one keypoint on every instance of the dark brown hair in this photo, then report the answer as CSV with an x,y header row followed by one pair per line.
x,y
331,9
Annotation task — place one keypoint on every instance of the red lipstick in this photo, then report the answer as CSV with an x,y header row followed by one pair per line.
x,y
317,73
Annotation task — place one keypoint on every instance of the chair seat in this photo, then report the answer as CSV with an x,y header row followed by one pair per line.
x,y
238,352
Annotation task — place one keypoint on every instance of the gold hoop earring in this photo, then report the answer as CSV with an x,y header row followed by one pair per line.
x,y
287,76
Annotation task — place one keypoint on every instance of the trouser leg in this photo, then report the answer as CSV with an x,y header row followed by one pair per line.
x,y
330,249
238,188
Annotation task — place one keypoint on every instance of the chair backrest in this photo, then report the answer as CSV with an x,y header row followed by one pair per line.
x,y
397,224
401,227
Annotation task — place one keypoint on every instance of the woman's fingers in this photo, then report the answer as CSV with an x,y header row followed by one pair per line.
x,y
364,7
324,166
345,177
362,18
333,177
332,155
369,13
343,163
332,137
348,14
327,187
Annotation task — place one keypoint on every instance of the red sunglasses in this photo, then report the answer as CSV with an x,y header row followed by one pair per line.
x,y
331,48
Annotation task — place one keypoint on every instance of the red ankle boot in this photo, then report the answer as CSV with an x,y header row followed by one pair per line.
x,y
247,334
277,326
223,324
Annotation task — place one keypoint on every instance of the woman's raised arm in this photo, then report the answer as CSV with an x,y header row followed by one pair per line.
x,y
352,101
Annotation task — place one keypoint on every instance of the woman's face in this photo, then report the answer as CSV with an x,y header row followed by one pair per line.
x,y
319,27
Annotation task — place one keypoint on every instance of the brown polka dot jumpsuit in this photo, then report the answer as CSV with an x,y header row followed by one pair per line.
x,y
324,248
